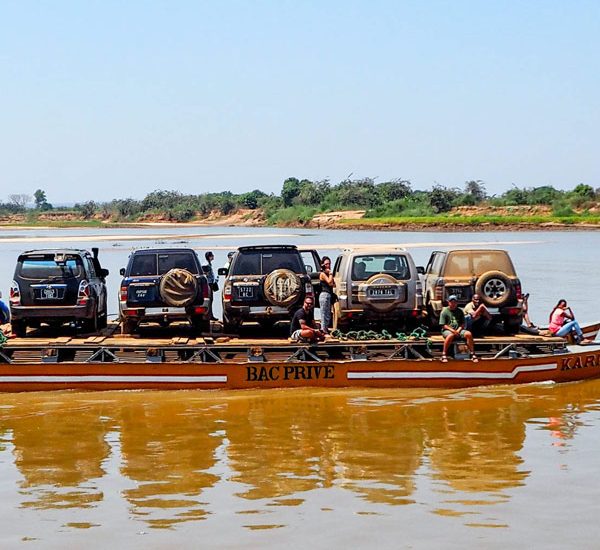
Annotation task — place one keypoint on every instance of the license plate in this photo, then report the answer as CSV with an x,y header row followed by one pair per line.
x,y
388,292
141,293
245,292
48,294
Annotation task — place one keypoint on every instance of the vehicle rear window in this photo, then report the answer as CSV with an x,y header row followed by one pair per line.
x,y
474,264
159,264
48,268
364,267
263,262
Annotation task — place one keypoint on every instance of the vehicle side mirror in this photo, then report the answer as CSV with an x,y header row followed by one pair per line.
x,y
205,269
104,273
223,271
309,268
122,272
421,269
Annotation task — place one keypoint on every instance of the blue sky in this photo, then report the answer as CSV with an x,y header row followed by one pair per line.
x,y
107,99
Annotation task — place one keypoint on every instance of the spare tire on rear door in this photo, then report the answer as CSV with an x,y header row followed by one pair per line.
x,y
178,287
495,288
282,287
382,292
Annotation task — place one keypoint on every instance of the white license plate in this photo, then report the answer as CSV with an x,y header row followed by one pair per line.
x,y
165,310
48,294
245,291
382,292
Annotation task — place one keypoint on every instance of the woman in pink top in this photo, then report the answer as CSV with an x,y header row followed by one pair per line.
x,y
562,322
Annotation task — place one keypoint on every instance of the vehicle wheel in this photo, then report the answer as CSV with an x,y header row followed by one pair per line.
x,y
90,325
230,327
282,287
433,321
103,320
19,328
495,288
337,323
511,326
178,288
128,326
200,325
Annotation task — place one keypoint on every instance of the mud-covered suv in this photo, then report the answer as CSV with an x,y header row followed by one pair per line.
x,y
58,286
377,287
162,285
489,273
263,284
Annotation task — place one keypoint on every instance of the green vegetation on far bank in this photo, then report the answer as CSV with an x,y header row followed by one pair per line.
x,y
390,202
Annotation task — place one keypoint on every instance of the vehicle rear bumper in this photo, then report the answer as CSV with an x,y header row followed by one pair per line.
x,y
52,312
247,313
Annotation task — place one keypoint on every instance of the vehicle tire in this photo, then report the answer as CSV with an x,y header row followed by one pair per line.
x,y
433,320
19,328
200,325
178,288
282,287
230,327
381,306
90,325
495,288
337,323
511,326
103,320
128,326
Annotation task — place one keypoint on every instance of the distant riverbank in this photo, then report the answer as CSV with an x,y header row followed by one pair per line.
x,y
459,219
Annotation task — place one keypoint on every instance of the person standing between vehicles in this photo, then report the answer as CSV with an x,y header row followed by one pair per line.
x,y
303,327
327,293
562,322
452,321
213,280
477,316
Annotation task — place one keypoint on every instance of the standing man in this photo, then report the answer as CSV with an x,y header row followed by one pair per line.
x,y
303,327
213,281
452,321
477,317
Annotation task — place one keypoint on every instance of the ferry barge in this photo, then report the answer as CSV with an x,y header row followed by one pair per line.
x,y
121,362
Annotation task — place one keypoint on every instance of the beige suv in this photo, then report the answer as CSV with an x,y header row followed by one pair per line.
x,y
377,287
489,273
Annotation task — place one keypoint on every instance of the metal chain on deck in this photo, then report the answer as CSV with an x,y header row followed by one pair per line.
x,y
419,333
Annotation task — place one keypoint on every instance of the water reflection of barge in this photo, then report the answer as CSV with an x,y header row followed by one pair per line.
x,y
116,363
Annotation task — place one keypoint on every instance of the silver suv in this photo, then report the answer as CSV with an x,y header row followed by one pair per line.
x,y
377,287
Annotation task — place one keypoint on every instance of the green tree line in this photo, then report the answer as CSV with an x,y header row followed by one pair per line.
x,y
300,199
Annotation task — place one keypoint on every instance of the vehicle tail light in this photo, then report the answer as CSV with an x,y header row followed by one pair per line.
x,y
518,290
123,294
439,289
343,287
512,311
205,289
415,313
227,292
83,294
200,310
308,289
15,294
419,287
133,312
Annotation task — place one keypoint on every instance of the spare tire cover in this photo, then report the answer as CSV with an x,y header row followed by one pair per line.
x,y
178,287
495,288
282,287
382,279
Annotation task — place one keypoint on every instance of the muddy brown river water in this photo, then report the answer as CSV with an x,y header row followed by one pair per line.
x,y
496,467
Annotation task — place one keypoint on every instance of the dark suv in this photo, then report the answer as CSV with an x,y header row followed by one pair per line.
x,y
162,285
58,286
264,284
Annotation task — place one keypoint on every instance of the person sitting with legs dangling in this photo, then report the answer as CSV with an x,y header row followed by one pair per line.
x,y
452,321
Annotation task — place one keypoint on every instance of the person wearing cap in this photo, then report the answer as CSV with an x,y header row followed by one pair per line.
x,y
452,321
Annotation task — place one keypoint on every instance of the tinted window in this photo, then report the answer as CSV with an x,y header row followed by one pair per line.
x,y
181,260
48,268
263,262
476,263
364,267
143,264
